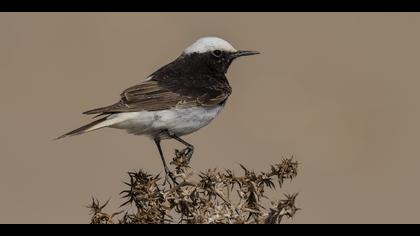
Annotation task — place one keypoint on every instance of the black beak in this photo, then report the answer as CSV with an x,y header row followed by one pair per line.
x,y
242,53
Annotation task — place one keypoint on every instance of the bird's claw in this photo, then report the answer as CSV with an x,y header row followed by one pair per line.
x,y
169,175
188,152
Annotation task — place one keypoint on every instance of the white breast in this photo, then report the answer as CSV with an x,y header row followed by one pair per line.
x,y
179,121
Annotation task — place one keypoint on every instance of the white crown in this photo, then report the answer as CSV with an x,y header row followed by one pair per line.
x,y
207,44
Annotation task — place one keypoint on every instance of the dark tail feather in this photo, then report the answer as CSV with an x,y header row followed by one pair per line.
x,y
84,128
106,110
97,111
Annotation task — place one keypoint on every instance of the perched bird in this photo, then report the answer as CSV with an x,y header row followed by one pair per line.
x,y
178,99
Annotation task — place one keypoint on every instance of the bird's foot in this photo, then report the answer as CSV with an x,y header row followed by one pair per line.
x,y
188,152
169,175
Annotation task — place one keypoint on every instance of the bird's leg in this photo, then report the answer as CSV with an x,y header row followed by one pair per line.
x,y
189,150
168,173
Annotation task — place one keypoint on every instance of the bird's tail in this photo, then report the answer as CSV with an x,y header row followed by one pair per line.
x,y
97,124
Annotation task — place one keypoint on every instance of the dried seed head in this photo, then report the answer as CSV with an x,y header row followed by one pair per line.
x,y
215,197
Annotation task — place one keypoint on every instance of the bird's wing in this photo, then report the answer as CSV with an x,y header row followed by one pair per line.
x,y
153,95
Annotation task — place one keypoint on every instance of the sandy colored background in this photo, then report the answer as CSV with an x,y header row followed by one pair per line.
x,y
340,91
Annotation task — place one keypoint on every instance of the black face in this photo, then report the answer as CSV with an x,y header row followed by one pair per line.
x,y
219,60
216,61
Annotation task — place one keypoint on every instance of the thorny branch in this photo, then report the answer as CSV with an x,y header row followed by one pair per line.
x,y
207,197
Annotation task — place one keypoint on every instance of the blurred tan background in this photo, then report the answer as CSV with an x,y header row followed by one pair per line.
x,y
337,90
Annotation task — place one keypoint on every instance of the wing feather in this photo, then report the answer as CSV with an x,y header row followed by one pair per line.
x,y
152,96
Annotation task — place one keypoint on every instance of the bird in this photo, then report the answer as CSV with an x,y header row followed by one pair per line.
x,y
176,100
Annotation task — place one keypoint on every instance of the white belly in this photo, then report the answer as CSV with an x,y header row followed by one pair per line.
x,y
179,121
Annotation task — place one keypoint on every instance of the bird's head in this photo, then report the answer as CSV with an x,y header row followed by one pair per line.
x,y
215,53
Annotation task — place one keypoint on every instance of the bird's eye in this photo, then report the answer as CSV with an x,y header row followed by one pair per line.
x,y
217,53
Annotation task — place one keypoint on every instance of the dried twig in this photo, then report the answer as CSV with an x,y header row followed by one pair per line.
x,y
208,200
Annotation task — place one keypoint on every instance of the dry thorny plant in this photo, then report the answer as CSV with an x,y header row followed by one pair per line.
x,y
217,197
